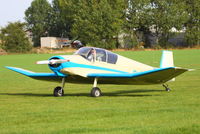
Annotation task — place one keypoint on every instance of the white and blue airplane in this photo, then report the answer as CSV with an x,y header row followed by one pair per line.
x,y
97,65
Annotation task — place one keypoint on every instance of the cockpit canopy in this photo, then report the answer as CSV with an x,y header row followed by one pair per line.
x,y
97,54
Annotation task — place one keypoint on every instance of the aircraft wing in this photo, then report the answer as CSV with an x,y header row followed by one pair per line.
x,y
155,76
40,76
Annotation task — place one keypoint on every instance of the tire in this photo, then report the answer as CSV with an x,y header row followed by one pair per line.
x,y
95,92
167,89
58,92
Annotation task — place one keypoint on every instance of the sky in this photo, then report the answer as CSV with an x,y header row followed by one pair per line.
x,y
13,10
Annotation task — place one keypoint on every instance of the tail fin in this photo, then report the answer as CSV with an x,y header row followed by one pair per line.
x,y
167,60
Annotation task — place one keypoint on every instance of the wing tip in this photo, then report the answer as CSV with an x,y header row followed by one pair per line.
x,y
20,70
8,67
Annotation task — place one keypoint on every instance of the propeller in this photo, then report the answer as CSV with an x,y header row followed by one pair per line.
x,y
52,61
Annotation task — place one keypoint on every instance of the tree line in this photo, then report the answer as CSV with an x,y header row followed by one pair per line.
x,y
100,23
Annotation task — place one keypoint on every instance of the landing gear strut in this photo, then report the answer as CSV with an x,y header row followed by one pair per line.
x,y
95,92
166,87
59,91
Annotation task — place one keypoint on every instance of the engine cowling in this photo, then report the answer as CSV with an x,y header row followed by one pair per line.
x,y
57,66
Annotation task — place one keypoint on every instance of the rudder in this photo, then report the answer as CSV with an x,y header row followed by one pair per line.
x,y
167,59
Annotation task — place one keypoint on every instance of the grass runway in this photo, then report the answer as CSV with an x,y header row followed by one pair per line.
x,y
27,106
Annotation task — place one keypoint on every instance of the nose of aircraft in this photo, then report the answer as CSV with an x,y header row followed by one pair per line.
x,y
55,64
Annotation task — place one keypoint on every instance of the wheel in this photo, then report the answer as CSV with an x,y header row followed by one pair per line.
x,y
95,92
58,91
167,89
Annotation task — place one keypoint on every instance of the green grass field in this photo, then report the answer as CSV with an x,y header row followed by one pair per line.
x,y
27,106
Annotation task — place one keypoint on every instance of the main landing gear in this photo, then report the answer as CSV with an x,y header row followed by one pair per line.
x,y
59,91
95,92
166,87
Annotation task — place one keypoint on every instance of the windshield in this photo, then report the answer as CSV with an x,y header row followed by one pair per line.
x,y
83,51
97,54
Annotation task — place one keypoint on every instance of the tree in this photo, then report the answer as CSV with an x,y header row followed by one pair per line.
x,y
62,17
98,22
38,16
161,16
139,18
167,15
193,23
14,39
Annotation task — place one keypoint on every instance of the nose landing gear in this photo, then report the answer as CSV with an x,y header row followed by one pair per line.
x,y
59,91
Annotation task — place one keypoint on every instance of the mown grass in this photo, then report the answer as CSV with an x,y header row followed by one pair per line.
x,y
28,107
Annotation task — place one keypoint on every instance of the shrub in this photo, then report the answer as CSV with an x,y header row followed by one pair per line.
x,y
14,39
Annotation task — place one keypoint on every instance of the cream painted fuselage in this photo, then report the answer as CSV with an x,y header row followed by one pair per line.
x,y
78,68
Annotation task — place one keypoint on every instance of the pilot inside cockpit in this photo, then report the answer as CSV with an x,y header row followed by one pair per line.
x,y
91,55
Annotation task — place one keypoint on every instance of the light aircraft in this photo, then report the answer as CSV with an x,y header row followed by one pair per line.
x,y
97,65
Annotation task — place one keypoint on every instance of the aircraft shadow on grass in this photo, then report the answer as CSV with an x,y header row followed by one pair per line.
x,y
125,93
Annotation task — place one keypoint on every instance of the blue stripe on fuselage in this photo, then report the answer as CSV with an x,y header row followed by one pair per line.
x,y
72,64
